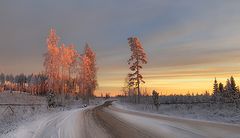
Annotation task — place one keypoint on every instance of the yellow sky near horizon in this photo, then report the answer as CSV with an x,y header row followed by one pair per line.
x,y
173,86
174,80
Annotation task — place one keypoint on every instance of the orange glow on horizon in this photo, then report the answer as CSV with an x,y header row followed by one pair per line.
x,y
168,86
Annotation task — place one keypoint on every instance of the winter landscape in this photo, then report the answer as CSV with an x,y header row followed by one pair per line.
x,y
119,69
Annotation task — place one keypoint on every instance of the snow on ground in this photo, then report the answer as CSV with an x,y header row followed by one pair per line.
x,y
12,116
53,125
220,113
156,125
10,121
72,123
20,97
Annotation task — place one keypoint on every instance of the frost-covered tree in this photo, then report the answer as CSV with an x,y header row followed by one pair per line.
x,y
85,77
63,60
7,78
51,61
2,78
93,76
36,83
29,77
215,95
71,66
228,86
137,59
233,84
51,99
235,91
72,60
229,92
10,78
21,81
33,84
60,64
221,87
215,87
66,70
155,96
126,87
2,81
42,83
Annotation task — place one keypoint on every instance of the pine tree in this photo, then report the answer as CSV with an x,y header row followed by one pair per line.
x,y
215,87
215,95
233,84
234,94
221,87
228,86
228,92
155,96
136,60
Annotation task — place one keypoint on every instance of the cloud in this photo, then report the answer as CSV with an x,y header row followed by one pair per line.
x,y
182,39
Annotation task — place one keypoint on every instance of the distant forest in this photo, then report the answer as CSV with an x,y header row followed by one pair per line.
x,y
221,94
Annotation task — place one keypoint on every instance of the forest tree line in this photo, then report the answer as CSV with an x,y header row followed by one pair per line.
x,y
228,94
34,84
221,94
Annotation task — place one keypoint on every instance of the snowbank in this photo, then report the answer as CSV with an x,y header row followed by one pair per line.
x,y
210,112
156,125
15,116
12,116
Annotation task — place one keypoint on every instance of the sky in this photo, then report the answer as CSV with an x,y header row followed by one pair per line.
x,y
188,43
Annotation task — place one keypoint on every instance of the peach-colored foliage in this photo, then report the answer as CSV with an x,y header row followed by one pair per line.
x,y
136,60
67,70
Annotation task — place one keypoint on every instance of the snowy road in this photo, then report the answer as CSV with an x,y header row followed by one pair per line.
x,y
110,121
76,123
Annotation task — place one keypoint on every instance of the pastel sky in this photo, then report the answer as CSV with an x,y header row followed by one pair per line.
x,y
188,42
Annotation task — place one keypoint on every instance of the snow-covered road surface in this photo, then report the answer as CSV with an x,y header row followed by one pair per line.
x,y
67,124
154,125
110,121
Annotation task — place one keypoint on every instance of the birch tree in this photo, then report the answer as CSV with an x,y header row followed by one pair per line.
x,y
68,58
71,67
87,80
51,61
85,77
93,76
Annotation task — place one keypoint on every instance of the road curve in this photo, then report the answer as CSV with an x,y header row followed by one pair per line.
x,y
130,124
107,121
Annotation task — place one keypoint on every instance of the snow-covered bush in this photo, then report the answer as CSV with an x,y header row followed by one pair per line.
x,y
51,100
155,99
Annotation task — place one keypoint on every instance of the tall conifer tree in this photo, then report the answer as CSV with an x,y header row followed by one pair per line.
x,y
138,57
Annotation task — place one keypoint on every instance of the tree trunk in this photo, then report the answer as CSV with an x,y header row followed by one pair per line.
x,y
138,83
